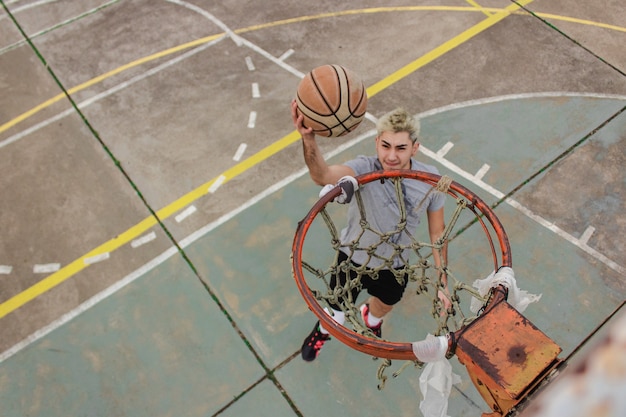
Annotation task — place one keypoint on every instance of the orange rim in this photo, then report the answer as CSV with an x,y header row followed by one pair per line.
x,y
371,346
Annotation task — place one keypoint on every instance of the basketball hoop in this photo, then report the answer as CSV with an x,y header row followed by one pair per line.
x,y
362,340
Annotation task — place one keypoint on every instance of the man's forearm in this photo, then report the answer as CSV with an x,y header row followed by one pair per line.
x,y
314,160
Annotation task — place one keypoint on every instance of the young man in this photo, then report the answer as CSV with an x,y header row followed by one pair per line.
x,y
396,144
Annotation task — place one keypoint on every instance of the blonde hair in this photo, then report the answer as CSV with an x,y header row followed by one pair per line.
x,y
399,120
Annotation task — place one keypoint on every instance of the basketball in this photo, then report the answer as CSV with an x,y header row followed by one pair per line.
x,y
332,100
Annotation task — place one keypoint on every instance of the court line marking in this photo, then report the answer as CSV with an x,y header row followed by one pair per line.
x,y
479,7
46,268
51,28
445,149
97,258
199,47
185,213
230,33
19,9
252,120
240,151
482,171
193,237
256,93
249,64
286,54
140,61
202,43
216,184
77,265
140,241
581,243
584,238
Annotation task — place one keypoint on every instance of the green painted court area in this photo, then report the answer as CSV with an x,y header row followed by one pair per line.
x,y
219,333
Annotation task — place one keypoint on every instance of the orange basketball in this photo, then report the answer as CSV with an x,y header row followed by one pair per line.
x,y
332,100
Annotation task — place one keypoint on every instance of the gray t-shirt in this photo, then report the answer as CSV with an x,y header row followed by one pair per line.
x,y
383,211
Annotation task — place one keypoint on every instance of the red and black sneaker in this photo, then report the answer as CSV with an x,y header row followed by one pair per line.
x,y
377,330
313,343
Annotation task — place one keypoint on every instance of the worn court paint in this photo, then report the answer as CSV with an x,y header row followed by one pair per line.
x,y
211,186
151,348
19,9
211,38
515,149
267,225
22,134
558,121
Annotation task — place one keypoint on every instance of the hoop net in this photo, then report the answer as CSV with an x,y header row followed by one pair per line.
x,y
312,270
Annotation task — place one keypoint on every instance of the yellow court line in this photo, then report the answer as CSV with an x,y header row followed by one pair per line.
x,y
446,47
479,7
581,21
103,77
66,272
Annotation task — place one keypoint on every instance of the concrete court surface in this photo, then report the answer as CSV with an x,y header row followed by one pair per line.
x,y
101,315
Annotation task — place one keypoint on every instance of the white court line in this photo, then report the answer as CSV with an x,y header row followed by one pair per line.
x,y
573,240
98,258
286,55
240,151
217,184
5,269
255,90
143,240
87,304
507,97
515,204
252,120
445,149
587,234
46,268
212,18
185,213
18,9
250,64
272,58
482,171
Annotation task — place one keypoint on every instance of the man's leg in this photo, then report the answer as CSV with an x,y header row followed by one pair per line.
x,y
315,340
378,308
385,292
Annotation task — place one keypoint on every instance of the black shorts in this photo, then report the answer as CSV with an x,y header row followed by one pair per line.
x,y
386,288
